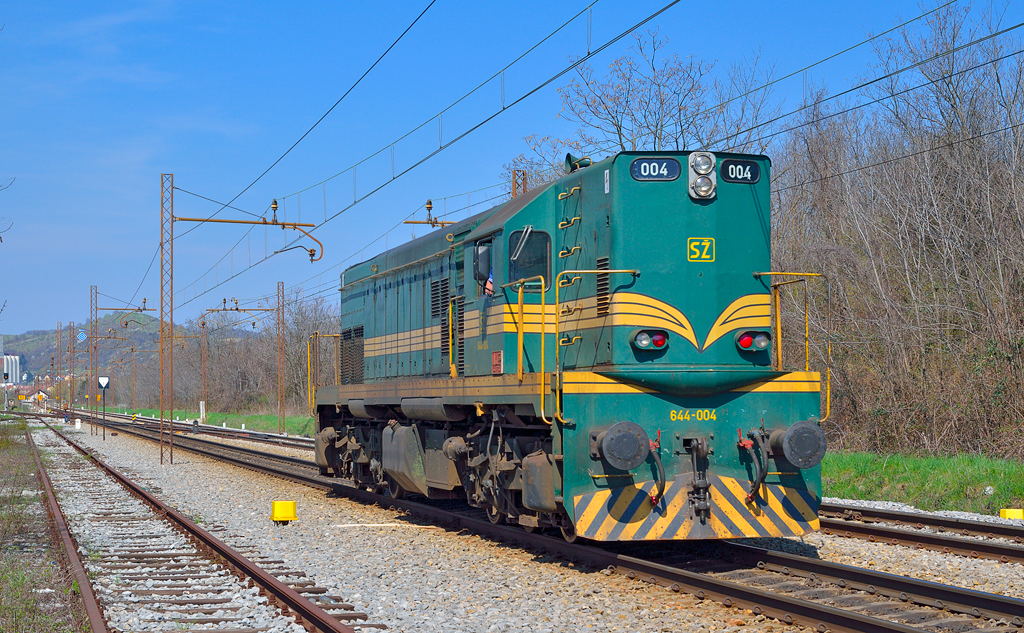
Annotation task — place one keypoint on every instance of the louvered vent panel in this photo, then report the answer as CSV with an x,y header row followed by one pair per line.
x,y
461,358
439,298
357,355
603,298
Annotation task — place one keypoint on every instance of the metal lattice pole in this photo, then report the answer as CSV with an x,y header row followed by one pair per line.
x,y
167,309
280,357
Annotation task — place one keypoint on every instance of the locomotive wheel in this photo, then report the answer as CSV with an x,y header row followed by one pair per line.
x,y
569,534
495,515
530,529
396,491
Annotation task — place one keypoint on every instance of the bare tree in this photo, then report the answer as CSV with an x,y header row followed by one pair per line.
x,y
653,101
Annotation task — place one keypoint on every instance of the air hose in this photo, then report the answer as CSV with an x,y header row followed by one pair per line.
x,y
761,470
660,492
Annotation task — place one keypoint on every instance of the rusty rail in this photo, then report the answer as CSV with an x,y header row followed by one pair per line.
x,y
97,623
306,614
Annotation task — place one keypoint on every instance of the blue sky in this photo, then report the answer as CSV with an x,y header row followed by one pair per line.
x,y
98,99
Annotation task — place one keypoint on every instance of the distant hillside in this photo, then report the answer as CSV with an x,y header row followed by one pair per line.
x,y
36,346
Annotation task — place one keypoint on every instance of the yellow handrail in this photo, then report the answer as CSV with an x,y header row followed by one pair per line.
x,y
777,307
558,361
520,327
312,369
453,368
309,373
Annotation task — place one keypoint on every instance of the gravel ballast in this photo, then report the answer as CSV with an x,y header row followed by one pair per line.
x,y
408,575
116,532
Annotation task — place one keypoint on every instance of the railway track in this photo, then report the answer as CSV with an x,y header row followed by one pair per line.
x,y
976,539
792,589
153,568
305,443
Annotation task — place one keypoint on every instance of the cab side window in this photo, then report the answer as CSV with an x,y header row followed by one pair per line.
x,y
529,256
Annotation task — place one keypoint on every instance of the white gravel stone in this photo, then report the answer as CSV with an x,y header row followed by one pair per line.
x,y
415,577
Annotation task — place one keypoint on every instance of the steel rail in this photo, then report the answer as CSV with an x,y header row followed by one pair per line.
x,y
93,612
784,608
945,543
905,589
305,612
206,429
298,461
964,527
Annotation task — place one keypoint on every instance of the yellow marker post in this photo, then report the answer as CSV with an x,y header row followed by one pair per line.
x,y
282,512
1011,513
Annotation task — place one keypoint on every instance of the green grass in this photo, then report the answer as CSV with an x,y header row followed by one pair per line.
x,y
930,483
294,425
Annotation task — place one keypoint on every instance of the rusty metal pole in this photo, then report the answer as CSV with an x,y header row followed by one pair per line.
x,y
93,351
133,378
71,363
205,348
280,357
60,358
166,308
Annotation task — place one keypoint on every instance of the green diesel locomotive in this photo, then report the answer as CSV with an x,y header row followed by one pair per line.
x,y
601,355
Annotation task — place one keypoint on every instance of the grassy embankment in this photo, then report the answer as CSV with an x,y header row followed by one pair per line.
x,y
294,425
34,592
930,483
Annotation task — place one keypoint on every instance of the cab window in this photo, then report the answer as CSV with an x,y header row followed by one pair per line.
x,y
529,256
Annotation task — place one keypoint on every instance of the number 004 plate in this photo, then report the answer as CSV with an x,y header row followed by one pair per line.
x,y
655,169
743,171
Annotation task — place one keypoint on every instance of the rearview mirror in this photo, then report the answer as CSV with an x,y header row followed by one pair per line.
x,y
482,261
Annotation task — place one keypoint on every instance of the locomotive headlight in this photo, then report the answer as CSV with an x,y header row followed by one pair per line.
x,y
642,340
761,341
702,164
703,187
702,179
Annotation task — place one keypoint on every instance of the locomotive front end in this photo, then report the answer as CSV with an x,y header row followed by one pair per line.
x,y
676,418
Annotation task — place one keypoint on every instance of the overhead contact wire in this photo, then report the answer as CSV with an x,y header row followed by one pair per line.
x,y
318,121
467,132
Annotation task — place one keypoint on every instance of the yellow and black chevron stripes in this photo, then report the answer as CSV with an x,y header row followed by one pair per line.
x,y
625,309
746,312
627,514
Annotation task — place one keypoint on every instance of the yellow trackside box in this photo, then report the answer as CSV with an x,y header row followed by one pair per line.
x,y
282,511
1011,513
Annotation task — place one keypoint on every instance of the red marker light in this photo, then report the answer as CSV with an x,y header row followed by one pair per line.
x,y
659,340
745,341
